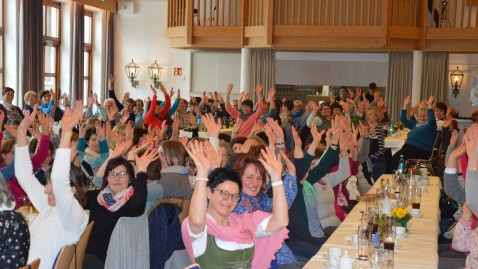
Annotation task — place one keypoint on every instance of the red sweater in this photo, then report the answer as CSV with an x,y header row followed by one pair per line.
x,y
150,117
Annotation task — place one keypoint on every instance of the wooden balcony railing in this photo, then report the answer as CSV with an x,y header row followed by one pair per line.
x,y
324,24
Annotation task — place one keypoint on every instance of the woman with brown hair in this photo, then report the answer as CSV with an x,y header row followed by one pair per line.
x,y
61,219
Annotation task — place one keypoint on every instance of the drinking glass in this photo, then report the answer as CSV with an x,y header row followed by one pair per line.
x,y
375,257
416,197
363,241
389,234
386,261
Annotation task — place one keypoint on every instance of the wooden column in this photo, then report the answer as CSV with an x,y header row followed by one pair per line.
x,y
189,21
423,24
269,20
244,20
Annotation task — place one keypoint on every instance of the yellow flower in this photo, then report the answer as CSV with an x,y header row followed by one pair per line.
x,y
401,212
394,212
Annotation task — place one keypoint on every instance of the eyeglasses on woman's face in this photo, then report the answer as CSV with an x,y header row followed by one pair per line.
x,y
121,174
225,195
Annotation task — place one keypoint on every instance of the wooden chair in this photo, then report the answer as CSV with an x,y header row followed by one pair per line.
x,y
65,256
33,265
77,261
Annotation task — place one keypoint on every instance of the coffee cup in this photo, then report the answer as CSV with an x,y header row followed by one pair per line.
x,y
415,213
400,231
336,252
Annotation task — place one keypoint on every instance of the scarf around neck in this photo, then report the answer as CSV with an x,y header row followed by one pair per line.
x,y
6,105
242,229
244,117
253,203
114,202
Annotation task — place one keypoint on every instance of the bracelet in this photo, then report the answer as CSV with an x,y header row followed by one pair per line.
x,y
132,161
278,183
200,178
333,144
280,144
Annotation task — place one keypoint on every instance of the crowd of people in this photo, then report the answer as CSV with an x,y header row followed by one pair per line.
x,y
268,195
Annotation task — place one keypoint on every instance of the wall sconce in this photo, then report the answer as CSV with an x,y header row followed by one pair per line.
x,y
155,72
456,78
132,70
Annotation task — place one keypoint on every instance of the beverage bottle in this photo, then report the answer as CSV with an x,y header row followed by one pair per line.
x,y
198,120
391,129
401,164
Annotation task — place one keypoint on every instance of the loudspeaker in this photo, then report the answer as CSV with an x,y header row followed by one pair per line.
x,y
126,8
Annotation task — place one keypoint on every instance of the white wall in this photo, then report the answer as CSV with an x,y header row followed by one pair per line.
x,y
11,68
142,37
335,69
468,64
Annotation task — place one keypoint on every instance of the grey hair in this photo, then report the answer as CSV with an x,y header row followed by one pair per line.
x,y
6,197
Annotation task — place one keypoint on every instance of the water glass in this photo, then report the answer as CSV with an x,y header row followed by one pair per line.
x,y
389,234
363,242
375,257
386,259
416,197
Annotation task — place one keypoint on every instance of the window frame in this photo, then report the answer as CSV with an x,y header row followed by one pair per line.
x,y
88,48
49,41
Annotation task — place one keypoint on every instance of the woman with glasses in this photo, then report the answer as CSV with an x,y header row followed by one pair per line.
x,y
122,194
214,236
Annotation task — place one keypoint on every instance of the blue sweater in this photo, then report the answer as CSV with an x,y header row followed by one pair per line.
x,y
422,137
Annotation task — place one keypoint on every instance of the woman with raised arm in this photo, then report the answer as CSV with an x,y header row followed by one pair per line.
x,y
214,236
61,219
421,137
156,114
123,194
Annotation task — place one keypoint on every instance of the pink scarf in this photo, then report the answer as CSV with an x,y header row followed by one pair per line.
x,y
242,229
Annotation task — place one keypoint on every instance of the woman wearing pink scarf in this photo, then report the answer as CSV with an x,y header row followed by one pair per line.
x,y
217,238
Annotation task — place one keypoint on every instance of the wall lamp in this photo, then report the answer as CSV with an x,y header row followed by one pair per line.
x,y
132,70
155,72
456,78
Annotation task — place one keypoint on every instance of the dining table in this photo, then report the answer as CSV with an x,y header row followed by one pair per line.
x,y
418,249
395,142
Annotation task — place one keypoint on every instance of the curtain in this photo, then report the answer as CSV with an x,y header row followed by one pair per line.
x,y
435,75
400,72
32,62
263,70
77,76
110,48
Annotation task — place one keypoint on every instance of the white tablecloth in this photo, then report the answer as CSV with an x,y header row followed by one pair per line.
x,y
418,250
395,142
203,134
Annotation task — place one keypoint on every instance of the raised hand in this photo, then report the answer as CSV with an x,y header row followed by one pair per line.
x,y
171,92
198,154
247,96
471,140
229,88
288,163
259,89
90,100
271,95
215,157
100,131
430,101
44,122
278,132
237,126
112,111
316,135
246,146
296,137
184,141
121,149
271,163
257,127
148,157
125,96
153,89
270,134
453,138
95,98
212,127
331,98
344,145
134,150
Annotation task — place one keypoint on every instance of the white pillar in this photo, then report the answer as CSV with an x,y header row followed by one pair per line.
x,y
245,69
417,76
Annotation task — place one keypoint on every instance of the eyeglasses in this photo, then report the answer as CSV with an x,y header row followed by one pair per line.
x,y
225,195
121,174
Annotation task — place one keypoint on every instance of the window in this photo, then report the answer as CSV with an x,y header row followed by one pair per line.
x,y
51,42
88,53
2,44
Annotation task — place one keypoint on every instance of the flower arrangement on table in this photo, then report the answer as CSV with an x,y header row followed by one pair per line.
x,y
402,216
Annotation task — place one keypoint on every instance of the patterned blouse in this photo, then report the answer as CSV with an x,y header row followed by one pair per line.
x,y
263,203
14,240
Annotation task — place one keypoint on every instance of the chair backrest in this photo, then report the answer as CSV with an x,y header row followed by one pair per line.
x,y
33,265
64,258
77,261
164,233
